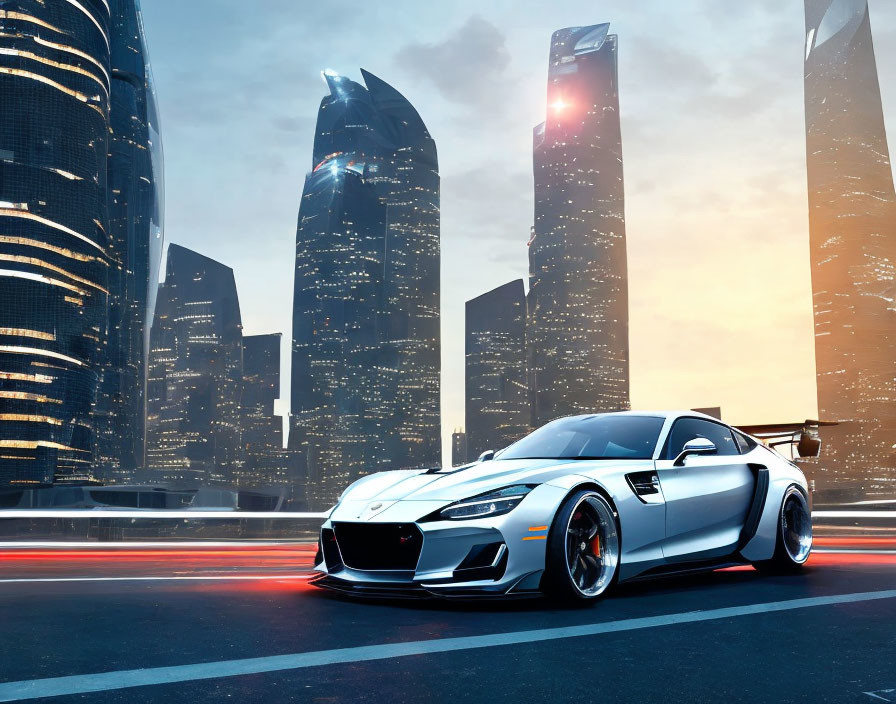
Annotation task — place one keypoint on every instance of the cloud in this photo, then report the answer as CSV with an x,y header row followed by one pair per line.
x,y
669,65
296,125
468,67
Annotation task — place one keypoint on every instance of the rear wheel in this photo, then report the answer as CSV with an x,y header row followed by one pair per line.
x,y
794,541
583,548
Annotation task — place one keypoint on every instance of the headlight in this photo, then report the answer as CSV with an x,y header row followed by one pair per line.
x,y
494,503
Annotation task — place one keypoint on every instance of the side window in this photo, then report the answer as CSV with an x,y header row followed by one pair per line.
x,y
689,428
744,443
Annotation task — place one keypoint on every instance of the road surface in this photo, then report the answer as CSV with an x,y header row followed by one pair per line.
x,y
219,623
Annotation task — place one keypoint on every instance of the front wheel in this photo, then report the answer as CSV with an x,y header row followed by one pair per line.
x,y
794,540
583,548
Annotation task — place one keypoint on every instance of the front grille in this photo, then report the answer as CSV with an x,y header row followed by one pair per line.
x,y
379,546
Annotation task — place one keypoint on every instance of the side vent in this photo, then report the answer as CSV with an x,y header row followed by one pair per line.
x,y
646,486
760,494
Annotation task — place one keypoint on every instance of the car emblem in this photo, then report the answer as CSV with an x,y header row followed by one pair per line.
x,y
376,507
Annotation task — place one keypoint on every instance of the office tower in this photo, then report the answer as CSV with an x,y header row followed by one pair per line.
x,y
458,447
135,192
578,312
54,242
266,462
852,227
497,400
195,374
365,355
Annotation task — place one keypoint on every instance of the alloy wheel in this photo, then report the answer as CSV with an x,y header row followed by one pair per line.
x,y
592,545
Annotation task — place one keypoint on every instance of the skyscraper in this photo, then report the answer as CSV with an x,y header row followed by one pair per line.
x,y
458,447
852,227
578,280
497,400
366,346
54,242
266,463
195,374
135,191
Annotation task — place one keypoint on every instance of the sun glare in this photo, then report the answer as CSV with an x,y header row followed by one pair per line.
x,y
559,105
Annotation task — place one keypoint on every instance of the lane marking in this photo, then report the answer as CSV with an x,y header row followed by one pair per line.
x,y
122,679
854,514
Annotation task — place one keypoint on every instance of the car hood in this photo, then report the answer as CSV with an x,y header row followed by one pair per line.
x,y
453,485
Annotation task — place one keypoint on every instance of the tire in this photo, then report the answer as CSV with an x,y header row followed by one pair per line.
x,y
793,543
582,557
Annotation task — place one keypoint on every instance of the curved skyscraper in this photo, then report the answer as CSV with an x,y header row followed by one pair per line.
x,y
578,281
852,226
54,242
366,350
135,192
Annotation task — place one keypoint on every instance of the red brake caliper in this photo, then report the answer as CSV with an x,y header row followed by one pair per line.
x,y
595,546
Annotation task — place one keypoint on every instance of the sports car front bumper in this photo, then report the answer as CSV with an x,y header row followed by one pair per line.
x,y
395,553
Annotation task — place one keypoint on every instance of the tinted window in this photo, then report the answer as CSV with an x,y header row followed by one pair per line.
x,y
744,443
689,428
592,437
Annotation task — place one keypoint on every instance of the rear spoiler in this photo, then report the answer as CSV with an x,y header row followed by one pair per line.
x,y
802,437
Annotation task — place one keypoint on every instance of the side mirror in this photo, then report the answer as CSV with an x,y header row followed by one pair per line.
x,y
697,446
487,455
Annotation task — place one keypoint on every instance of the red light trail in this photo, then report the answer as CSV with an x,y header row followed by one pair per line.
x,y
280,567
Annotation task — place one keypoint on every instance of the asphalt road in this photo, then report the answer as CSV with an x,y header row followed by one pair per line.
x,y
213,624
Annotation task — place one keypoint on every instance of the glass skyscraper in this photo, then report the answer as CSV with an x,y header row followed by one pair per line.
x,y
497,400
135,191
366,346
578,282
266,462
458,448
195,374
54,235
852,226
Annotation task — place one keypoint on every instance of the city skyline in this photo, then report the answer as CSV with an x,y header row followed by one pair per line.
x,y
766,308
709,199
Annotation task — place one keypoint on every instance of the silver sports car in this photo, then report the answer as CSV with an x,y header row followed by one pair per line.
x,y
569,510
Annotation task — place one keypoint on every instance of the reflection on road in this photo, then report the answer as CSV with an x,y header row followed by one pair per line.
x,y
272,561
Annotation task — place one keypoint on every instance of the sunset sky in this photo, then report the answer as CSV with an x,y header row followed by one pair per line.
x,y
712,120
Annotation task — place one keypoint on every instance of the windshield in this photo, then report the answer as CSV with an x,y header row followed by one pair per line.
x,y
600,437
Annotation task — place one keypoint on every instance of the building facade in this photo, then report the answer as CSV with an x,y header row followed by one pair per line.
x,y
135,200
195,375
852,226
578,282
266,463
458,448
496,396
366,345
54,235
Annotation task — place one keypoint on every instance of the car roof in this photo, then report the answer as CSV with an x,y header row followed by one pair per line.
x,y
652,414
